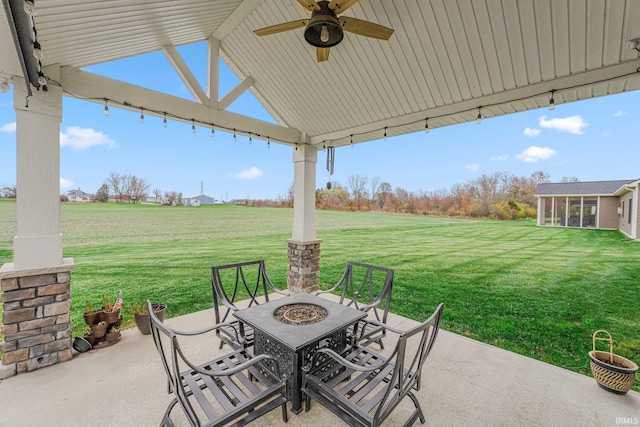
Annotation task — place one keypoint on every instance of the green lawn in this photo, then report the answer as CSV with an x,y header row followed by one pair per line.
x,y
540,292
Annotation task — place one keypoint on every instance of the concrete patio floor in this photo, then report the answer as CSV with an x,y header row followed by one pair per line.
x,y
465,383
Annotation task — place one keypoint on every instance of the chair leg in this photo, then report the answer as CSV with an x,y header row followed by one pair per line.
x,y
166,419
307,402
417,413
285,416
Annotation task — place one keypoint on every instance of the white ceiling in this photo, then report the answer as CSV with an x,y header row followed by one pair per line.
x,y
445,59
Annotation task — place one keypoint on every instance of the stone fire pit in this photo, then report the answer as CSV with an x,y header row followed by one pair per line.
x,y
300,314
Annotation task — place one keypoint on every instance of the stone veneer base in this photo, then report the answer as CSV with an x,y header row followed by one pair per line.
x,y
36,317
304,266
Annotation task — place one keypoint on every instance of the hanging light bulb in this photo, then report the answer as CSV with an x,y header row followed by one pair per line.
x,y
250,139
142,116
106,107
351,142
234,135
4,86
37,51
552,102
324,34
426,125
385,133
213,132
30,8
42,80
164,121
268,143
193,126
479,118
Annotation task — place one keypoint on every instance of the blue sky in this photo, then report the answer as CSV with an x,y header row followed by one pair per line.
x,y
591,140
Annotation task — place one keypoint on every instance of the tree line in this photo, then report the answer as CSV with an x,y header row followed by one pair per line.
x,y
497,196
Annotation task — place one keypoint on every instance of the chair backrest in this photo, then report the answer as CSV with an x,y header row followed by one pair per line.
x,y
237,282
166,343
366,286
412,349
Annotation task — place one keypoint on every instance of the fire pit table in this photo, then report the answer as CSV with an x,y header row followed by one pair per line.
x,y
292,329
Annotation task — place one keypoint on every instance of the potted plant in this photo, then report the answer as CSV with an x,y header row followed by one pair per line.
x,y
113,335
612,372
99,329
109,314
90,315
142,317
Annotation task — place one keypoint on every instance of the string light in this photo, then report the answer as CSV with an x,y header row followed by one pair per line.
x,y
37,51
164,121
352,139
30,8
479,118
213,132
385,134
426,125
552,102
106,107
234,135
142,116
193,126
250,139
268,142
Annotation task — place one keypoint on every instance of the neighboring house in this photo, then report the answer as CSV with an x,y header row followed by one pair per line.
x,y
610,205
198,200
79,196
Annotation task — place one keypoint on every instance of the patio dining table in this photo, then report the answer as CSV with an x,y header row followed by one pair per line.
x,y
293,328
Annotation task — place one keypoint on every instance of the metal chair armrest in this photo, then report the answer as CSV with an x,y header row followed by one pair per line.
x,y
236,369
344,362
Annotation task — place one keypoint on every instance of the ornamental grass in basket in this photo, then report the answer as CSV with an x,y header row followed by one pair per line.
x,y
612,372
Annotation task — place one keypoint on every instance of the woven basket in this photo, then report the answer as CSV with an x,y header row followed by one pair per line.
x,y
612,372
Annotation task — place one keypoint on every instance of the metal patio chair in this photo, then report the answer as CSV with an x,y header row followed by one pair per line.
x,y
362,387
237,387
368,288
237,282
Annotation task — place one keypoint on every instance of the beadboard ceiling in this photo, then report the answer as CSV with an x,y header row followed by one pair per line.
x,y
445,58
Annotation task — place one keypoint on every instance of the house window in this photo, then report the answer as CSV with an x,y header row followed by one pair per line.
x,y
629,219
623,209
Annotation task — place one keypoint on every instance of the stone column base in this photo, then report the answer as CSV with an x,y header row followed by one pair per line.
x,y
304,266
36,317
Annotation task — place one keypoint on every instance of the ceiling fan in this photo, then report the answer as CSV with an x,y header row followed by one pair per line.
x,y
325,29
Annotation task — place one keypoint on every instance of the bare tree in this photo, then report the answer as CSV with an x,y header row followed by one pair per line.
x,y
374,184
138,188
158,193
357,185
114,183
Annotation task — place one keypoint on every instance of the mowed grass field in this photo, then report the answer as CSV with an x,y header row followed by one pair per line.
x,y
540,292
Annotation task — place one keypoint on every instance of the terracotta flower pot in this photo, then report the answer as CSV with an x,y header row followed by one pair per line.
x,y
111,317
99,330
93,317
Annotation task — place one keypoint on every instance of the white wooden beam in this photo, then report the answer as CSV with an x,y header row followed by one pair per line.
x,y
95,88
624,71
236,17
185,74
236,92
213,71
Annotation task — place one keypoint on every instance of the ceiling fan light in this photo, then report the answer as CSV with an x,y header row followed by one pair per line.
x,y
323,30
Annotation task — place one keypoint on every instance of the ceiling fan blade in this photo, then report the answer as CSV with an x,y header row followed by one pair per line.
x,y
310,5
365,28
281,27
322,54
339,6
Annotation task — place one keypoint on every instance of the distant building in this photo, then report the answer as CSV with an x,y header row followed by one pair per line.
x,y
198,200
79,196
598,204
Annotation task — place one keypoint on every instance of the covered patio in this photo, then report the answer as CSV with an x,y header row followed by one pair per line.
x,y
465,383
446,62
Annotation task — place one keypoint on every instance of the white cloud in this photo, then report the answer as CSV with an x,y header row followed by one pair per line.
x,y
573,124
472,168
247,174
83,138
531,132
533,154
66,183
8,128
500,158
619,113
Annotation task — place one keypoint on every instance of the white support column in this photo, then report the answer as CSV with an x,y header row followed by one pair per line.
x,y
38,242
305,159
304,248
